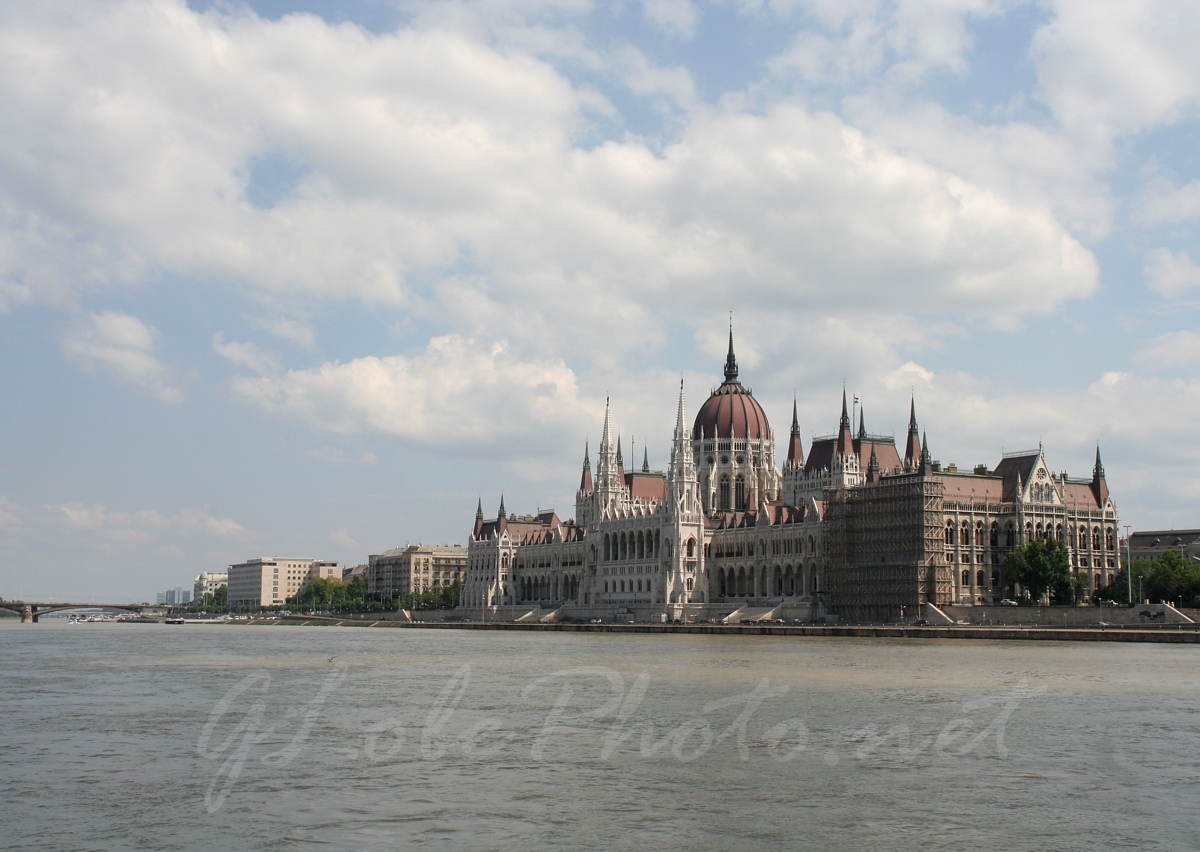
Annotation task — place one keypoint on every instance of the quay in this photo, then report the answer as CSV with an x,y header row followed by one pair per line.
x,y
1182,633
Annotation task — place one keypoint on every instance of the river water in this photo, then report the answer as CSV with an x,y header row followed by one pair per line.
x,y
187,737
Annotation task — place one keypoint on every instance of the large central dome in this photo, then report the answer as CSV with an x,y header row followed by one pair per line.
x,y
731,411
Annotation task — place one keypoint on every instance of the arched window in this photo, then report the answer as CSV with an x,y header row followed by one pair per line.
x,y
966,577
739,494
979,579
949,532
1108,539
691,547
1095,538
1009,534
994,539
1082,538
723,494
979,534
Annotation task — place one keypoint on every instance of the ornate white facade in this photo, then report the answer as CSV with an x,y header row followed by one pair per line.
x,y
724,532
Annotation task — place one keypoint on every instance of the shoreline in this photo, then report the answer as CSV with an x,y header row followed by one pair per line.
x,y
1182,635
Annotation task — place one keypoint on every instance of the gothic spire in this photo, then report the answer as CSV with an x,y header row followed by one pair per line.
x,y
645,460
795,455
585,481
912,450
479,511
845,441
925,460
862,424
731,367
680,417
620,463
1099,485
501,515
605,443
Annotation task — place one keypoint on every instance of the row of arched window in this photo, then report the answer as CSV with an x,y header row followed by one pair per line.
x,y
966,535
643,544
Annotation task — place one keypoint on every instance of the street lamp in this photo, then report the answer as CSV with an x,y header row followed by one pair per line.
x,y
1128,566
1141,596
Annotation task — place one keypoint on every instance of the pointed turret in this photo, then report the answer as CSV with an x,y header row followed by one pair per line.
x,y
585,481
479,517
501,515
862,424
912,450
795,456
681,430
681,477
873,467
1099,485
645,460
610,478
620,461
845,441
926,462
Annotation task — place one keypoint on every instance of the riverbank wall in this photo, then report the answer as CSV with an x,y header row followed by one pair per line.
x,y
1180,633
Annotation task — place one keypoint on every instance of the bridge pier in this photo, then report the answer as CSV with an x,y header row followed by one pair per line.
x,y
28,616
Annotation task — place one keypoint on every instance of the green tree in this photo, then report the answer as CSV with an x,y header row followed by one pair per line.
x,y
1171,577
1040,566
220,598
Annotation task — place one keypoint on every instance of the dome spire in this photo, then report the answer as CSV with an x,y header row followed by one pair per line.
x,y
731,367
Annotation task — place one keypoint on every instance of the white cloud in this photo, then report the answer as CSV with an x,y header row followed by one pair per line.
x,y
9,514
674,17
1163,202
125,348
301,333
457,392
248,355
144,524
343,538
1171,274
1174,349
1110,67
443,174
902,41
1035,166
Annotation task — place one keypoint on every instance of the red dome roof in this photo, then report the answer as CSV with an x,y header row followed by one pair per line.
x,y
731,411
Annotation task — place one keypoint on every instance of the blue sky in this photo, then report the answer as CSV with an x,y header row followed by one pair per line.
x,y
311,279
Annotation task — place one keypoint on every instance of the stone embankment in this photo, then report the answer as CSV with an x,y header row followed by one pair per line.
x,y
1181,633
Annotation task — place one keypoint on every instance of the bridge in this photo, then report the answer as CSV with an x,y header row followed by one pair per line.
x,y
31,611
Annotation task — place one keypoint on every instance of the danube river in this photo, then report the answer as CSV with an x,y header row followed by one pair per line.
x,y
188,737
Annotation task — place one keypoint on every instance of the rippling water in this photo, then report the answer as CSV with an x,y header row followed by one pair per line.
x,y
187,737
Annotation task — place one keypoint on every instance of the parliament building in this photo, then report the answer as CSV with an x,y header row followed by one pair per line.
x,y
855,529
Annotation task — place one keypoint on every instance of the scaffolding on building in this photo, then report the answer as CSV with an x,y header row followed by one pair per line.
x,y
885,549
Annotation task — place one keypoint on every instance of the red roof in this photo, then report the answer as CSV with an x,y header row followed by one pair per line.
x,y
647,486
968,488
731,412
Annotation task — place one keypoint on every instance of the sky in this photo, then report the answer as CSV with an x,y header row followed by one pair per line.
x,y
312,279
